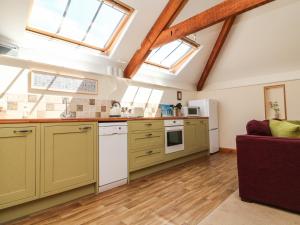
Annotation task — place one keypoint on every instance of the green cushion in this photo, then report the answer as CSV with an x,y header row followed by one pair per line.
x,y
297,122
284,129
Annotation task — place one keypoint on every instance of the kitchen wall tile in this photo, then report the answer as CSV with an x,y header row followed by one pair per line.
x,y
32,98
12,105
72,114
79,108
97,114
60,107
92,101
50,107
82,114
103,108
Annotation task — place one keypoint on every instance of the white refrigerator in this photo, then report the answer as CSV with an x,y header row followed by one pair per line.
x,y
209,108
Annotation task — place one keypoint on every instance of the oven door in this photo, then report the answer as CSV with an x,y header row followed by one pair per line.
x,y
174,139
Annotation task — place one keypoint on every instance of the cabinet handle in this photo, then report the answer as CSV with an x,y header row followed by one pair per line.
x,y
24,132
84,129
148,124
148,135
149,152
188,122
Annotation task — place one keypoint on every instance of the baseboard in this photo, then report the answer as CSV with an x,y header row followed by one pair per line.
x,y
113,185
228,150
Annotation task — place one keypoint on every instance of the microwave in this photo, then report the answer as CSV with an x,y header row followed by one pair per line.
x,y
191,111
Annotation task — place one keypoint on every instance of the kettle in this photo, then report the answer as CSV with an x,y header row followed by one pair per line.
x,y
115,110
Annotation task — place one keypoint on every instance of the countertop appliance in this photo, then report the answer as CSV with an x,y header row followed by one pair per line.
x,y
209,108
191,111
113,162
115,110
174,136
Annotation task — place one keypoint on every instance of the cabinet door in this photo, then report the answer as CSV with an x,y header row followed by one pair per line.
x,y
191,136
202,134
68,157
18,151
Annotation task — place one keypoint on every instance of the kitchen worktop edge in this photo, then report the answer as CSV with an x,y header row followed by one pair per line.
x,y
110,119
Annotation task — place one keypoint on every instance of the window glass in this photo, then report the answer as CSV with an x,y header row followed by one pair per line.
x,y
90,23
171,54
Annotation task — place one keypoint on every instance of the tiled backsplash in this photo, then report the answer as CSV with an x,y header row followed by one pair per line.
x,y
52,106
46,106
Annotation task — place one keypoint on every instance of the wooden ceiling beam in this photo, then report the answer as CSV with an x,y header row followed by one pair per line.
x,y
215,52
209,17
166,17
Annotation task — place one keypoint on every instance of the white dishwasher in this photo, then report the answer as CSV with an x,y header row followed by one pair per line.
x,y
113,162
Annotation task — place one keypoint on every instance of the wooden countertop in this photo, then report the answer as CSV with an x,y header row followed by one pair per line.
x,y
110,119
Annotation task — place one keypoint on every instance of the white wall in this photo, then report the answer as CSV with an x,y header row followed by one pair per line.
x,y
241,104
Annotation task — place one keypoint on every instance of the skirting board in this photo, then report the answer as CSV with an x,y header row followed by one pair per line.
x,y
112,185
228,150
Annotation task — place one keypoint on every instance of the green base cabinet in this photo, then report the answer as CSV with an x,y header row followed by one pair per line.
x,y
146,141
68,157
39,161
19,172
195,135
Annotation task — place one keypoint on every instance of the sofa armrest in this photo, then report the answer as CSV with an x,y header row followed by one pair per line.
x,y
269,169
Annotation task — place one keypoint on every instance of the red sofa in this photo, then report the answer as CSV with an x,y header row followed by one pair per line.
x,y
269,170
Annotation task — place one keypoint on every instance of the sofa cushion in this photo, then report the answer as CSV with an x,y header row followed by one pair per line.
x,y
297,122
261,128
284,129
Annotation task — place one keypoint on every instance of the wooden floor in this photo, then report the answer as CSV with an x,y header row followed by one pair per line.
x,y
182,195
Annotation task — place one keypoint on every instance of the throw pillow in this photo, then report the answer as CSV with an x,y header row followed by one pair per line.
x,y
284,129
297,122
255,127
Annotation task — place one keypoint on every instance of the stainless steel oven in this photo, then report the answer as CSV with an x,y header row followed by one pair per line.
x,y
174,136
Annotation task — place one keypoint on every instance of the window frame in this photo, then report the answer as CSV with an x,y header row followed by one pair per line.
x,y
174,68
111,42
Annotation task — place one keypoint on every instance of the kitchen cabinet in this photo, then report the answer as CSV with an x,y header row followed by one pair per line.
x,y
195,135
19,152
68,156
145,143
191,132
203,135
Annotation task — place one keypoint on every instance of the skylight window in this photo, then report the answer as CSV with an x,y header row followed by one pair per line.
x,y
92,23
172,55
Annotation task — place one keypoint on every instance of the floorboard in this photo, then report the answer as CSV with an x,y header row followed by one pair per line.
x,y
182,195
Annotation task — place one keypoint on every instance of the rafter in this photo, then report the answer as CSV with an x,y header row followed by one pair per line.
x,y
209,17
215,52
167,16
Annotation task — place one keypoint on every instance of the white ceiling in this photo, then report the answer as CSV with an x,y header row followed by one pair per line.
x,y
262,41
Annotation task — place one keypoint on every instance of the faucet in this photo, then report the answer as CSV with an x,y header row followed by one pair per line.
x,y
65,114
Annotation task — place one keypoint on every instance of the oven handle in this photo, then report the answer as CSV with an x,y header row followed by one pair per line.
x,y
175,128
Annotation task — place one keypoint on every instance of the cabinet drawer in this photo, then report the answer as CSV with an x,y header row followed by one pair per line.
x,y
145,125
140,141
191,121
148,157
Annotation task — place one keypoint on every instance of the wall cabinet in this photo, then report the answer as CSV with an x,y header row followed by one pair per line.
x,y
19,151
68,157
